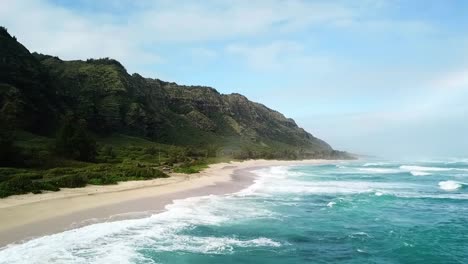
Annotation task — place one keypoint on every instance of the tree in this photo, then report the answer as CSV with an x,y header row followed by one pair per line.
x,y
108,151
9,154
74,141
84,143
7,149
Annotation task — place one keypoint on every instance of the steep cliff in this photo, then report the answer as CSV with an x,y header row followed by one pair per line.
x,y
38,90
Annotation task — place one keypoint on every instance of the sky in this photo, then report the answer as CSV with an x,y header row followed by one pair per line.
x,y
377,77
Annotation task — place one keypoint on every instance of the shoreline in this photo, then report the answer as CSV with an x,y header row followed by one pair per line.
x,y
28,216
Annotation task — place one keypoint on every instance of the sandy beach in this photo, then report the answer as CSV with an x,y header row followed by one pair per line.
x,y
23,217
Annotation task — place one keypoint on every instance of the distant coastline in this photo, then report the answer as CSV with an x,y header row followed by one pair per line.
x,y
32,215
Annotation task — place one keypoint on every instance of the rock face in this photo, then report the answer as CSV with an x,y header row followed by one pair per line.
x,y
36,90
24,94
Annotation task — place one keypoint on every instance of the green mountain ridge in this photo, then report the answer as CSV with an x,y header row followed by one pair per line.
x,y
110,100
64,104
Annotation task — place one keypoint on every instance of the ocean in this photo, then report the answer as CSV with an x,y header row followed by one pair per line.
x,y
350,212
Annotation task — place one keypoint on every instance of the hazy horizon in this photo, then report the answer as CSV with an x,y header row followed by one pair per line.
x,y
385,78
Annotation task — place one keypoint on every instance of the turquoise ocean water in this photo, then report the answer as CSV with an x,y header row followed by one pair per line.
x,y
352,212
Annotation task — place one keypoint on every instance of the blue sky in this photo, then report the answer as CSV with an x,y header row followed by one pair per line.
x,y
374,76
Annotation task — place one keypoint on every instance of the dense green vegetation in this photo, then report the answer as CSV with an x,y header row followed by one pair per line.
x,y
118,158
72,123
74,141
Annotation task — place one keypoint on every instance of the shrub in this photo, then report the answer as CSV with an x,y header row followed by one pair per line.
x,y
10,155
74,141
29,175
70,181
103,180
17,185
52,173
192,167
4,192
151,150
49,187
108,151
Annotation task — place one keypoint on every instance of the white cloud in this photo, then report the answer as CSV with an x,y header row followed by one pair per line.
x,y
129,30
266,57
441,96
201,53
281,56
269,35
214,20
457,80
50,29
429,121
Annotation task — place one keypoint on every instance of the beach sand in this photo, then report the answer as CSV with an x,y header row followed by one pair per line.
x,y
23,217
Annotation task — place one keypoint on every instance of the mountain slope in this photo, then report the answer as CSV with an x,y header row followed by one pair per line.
x,y
24,95
38,90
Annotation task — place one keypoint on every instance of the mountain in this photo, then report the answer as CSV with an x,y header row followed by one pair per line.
x,y
25,97
37,90
72,123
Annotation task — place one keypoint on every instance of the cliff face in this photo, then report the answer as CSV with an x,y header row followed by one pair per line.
x,y
24,94
36,90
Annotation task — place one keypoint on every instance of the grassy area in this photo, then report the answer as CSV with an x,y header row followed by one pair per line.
x,y
119,158
191,168
20,181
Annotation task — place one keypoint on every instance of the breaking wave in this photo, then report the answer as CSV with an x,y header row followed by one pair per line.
x,y
450,185
379,170
202,225
121,241
420,173
424,168
370,164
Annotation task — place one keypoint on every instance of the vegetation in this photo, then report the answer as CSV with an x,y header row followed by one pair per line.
x,y
192,167
124,160
72,123
74,141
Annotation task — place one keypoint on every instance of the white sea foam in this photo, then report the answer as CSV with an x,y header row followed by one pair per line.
x,y
281,172
258,183
278,170
461,175
271,185
379,170
120,241
408,244
359,234
212,245
369,164
419,173
458,196
330,187
424,168
457,160
282,181
450,185
268,176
